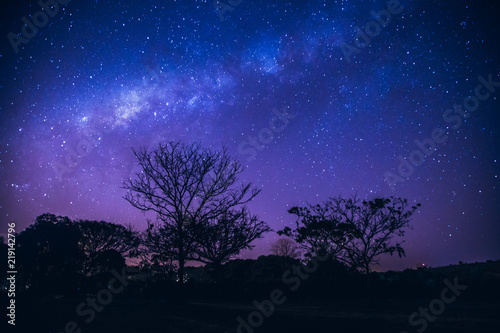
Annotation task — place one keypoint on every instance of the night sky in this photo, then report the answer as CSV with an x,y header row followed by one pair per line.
x,y
122,74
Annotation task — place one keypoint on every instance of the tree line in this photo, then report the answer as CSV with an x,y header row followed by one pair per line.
x,y
201,215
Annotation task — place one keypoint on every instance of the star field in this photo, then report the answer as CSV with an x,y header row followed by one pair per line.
x,y
102,77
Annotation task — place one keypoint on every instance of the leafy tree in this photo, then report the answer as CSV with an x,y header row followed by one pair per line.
x,y
220,239
157,250
319,229
354,232
49,255
184,185
108,260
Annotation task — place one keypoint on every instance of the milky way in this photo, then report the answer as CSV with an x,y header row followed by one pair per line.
x,y
357,93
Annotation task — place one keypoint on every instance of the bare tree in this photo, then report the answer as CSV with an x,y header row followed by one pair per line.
x,y
285,247
100,237
185,184
376,223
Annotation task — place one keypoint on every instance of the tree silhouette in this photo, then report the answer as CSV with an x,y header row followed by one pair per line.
x,y
354,232
319,229
49,254
285,247
108,260
55,252
99,237
219,239
157,250
376,223
183,185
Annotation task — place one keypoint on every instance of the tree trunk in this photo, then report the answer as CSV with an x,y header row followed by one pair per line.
x,y
180,272
181,258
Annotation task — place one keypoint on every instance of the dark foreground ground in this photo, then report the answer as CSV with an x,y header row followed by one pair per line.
x,y
140,315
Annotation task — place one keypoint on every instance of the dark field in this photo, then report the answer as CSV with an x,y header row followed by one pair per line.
x,y
139,315
455,298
